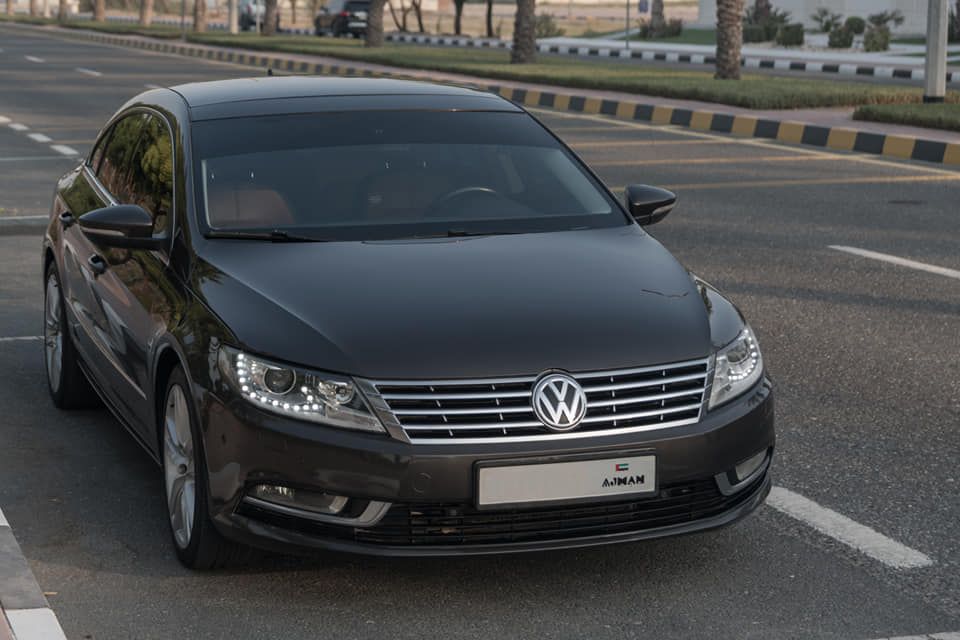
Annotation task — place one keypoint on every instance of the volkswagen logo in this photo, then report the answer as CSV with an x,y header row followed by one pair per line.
x,y
559,401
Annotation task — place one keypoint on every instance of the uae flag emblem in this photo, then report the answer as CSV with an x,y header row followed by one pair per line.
x,y
623,466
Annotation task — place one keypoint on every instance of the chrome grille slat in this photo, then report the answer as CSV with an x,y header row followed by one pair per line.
x,y
499,409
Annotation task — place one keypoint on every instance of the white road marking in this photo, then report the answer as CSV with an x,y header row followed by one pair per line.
x,y
16,126
64,149
34,59
903,262
22,338
89,72
3,520
35,624
152,86
4,119
39,137
928,636
843,529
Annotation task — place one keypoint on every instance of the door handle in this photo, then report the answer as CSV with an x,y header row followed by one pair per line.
x,y
66,219
97,264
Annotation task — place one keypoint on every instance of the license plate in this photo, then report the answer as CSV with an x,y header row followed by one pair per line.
x,y
563,481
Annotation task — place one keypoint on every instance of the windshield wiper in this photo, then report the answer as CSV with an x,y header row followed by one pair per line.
x,y
463,233
275,235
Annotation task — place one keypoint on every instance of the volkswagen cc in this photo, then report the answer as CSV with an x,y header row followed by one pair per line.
x,y
393,318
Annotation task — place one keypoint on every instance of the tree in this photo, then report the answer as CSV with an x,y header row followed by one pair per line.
x,y
146,12
657,20
200,13
417,6
490,18
62,11
293,12
269,18
33,7
524,33
9,7
729,39
99,10
375,24
762,10
457,16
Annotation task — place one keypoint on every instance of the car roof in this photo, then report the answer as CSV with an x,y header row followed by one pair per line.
x,y
275,95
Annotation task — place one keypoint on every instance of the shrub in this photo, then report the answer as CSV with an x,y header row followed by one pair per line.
x,y
546,27
856,25
790,35
877,39
755,33
826,20
671,29
884,18
840,38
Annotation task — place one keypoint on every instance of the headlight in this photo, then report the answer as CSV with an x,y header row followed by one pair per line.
x,y
738,367
325,398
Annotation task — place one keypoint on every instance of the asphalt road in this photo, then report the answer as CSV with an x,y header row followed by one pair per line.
x,y
864,354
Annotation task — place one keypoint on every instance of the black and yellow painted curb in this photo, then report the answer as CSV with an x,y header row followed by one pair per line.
x,y
837,138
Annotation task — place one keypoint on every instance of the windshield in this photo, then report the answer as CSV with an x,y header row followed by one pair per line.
x,y
392,174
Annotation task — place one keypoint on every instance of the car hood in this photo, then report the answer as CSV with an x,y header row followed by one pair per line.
x,y
460,307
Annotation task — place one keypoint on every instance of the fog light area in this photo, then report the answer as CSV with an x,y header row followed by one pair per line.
x,y
315,501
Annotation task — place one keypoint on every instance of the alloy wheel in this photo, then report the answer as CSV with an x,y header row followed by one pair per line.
x,y
53,333
179,466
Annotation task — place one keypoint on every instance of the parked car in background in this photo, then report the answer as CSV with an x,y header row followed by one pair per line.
x,y
342,17
252,14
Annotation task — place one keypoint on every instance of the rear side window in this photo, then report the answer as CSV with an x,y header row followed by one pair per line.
x,y
114,169
151,172
357,6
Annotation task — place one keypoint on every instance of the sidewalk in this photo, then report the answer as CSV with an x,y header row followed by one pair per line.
x,y
833,128
24,612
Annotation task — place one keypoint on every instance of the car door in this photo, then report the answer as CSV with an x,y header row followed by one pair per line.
x,y
79,194
135,291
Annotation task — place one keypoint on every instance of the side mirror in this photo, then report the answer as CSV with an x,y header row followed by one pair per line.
x,y
125,225
649,205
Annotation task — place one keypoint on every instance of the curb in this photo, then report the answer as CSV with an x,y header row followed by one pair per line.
x,y
637,52
24,611
22,225
837,138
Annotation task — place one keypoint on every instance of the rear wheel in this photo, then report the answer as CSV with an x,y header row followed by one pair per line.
x,y
196,540
68,385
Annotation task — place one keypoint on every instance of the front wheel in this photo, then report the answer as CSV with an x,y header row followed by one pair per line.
x,y
66,381
196,540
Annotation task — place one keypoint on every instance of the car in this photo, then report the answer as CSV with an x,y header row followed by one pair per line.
x,y
342,18
397,318
251,14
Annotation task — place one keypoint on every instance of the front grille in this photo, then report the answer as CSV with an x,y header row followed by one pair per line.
x,y
617,401
446,525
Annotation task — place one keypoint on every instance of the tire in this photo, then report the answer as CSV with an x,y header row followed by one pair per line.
x,y
196,541
68,385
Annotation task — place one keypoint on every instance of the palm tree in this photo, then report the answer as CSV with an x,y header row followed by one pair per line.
x,y
375,24
657,19
490,18
729,39
99,10
200,14
146,12
269,17
457,16
762,10
524,33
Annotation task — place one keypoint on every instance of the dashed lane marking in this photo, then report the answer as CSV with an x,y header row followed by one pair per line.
x,y
16,126
152,86
903,262
23,338
715,160
64,149
89,72
31,158
843,529
928,636
4,119
34,59
775,184
39,137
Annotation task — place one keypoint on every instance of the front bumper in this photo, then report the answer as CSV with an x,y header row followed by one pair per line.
x,y
431,487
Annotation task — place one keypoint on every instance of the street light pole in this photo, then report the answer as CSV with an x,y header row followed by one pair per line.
x,y
627,38
183,20
935,68
232,16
